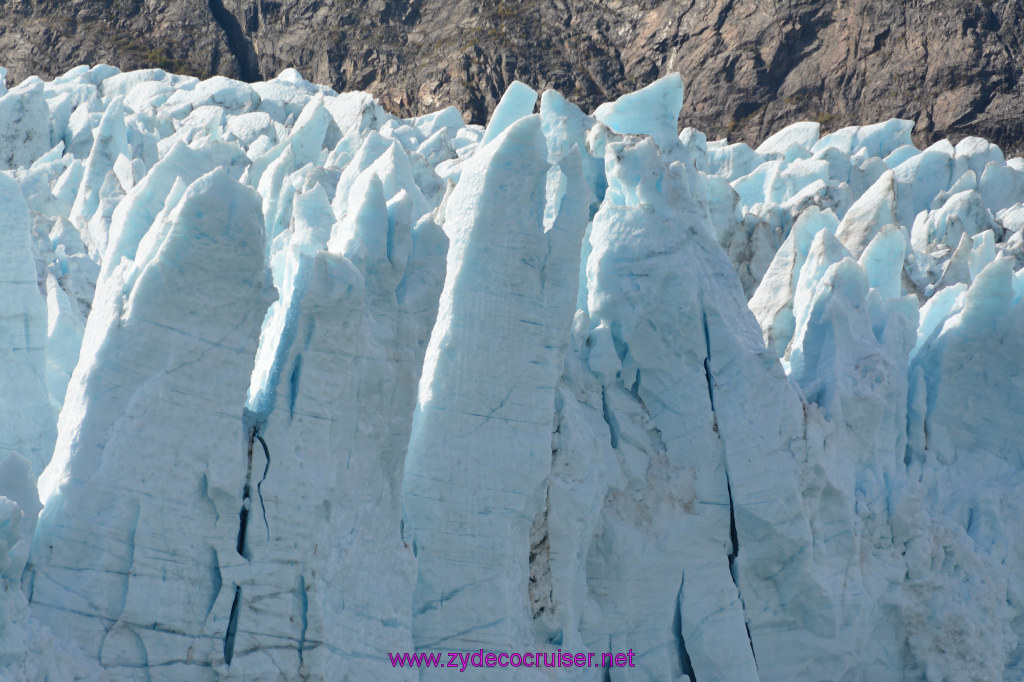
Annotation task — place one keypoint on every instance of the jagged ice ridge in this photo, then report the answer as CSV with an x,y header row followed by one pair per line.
x,y
288,383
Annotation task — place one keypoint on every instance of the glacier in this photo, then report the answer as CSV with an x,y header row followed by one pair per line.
x,y
290,385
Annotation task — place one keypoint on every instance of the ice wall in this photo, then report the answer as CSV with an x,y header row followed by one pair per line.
x,y
334,385
135,552
480,450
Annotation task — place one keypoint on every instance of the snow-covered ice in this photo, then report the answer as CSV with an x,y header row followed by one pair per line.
x,y
289,384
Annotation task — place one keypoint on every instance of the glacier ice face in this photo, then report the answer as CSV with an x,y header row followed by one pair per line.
x,y
28,420
161,325
334,385
645,276
498,431
26,118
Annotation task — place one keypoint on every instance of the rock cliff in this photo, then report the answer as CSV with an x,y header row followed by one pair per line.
x,y
752,66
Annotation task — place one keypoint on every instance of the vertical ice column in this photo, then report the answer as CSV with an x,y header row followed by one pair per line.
x,y
134,551
368,574
27,420
111,141
331,407
678,608
480,449
872,211
971,395
848,356
772,302
967,396
26,131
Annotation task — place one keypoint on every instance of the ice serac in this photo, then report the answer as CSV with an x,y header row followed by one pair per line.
x,y
773,300
26,133
110,142
136,213
518,101
878,139
668,488
849,361
135,556
989,315
653,111
27,419
875,209
964,408
328,421
804,134
480,449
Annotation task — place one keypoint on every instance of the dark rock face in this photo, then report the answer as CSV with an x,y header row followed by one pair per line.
x,y
751,66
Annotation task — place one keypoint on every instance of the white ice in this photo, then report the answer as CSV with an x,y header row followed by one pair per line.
x,y
288,384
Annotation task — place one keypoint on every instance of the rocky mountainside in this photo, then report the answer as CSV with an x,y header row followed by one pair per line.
x,y
751,66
